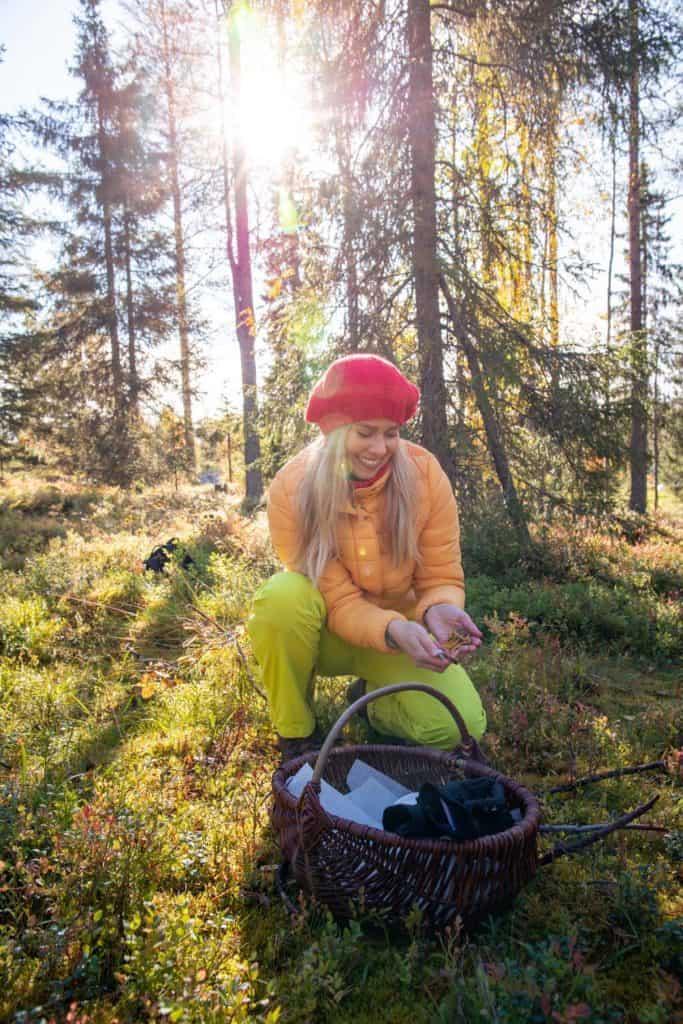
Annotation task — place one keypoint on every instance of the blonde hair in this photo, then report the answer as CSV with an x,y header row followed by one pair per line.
x,y
325,492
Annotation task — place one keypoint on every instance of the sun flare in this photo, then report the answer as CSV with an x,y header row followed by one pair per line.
x,y
273,115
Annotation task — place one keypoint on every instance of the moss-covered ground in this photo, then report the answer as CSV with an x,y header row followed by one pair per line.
x,y
136,857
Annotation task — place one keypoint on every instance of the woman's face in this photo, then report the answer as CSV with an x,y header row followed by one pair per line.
x,y
370,444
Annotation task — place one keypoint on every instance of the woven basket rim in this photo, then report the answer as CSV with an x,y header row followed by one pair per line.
x,y
518,832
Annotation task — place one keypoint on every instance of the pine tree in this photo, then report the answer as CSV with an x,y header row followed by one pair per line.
x,y
143,251
109,285
18,296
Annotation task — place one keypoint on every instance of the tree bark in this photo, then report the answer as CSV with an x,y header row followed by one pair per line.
x,y
552,215
612,234
655,428
112,321
422,142
181,293
639,371
133,381
352,312
522,282
494,437
243,295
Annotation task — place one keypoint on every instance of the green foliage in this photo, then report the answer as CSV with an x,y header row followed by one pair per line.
x,y
490,545
547,980
588,611
27,632
181,964
580,585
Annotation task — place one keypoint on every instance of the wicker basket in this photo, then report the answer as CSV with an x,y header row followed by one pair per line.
x,y
351,867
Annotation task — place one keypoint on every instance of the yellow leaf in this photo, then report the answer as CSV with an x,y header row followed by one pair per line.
x,y
246,319
274,287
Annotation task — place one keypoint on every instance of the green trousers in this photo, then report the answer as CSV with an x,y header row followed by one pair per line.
x,y
292,645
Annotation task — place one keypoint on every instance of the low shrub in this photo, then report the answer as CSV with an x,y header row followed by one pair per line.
x,y
588,611
180,964
545,981
22,536
28,631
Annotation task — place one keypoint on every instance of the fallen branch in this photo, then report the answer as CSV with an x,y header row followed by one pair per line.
x,y
566,787
563,848
99,604
579,829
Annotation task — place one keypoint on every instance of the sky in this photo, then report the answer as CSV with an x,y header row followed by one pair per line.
x,y
39,37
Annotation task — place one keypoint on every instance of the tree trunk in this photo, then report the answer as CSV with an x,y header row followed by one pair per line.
x,y
645,254
612,233
422,141
350,221
240,265
112,321
639,380
551,229
349,255
553,244
181,293
494,437
655,427
522,281
133,381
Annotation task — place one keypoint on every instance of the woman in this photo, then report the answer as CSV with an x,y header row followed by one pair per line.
x,y
367,527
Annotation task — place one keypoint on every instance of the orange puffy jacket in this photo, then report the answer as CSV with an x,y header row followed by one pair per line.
x,y
363,591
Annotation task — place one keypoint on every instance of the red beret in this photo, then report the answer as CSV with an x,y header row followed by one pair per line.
x,y
361,387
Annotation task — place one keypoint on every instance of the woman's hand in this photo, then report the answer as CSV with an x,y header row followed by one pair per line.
x,y
414,640
442,620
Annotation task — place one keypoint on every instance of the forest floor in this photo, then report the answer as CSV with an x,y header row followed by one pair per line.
x,y
136,856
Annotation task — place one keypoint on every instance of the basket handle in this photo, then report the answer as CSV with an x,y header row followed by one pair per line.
x,y
384,691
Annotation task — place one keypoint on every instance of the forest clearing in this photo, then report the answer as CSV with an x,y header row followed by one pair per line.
x,y
136,758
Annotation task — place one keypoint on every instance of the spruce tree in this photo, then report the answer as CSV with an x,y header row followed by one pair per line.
x,y
107,300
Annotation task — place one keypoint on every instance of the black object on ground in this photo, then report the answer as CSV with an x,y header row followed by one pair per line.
x,y
160,556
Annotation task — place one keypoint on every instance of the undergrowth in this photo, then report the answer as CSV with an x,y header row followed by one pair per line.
x,y
136,858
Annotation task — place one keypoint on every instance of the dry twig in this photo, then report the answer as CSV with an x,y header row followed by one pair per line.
x,y
99,604
567,848
579,829
566,787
